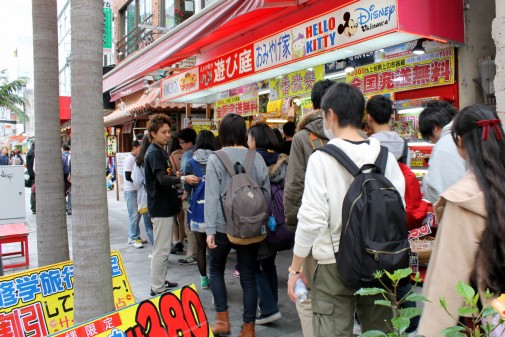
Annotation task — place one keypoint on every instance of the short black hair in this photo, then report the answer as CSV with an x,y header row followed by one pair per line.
x,y
65,147
347,102
318,91
437,113
232,130
136,143
289,129
264,137
380,109
206,140
188,135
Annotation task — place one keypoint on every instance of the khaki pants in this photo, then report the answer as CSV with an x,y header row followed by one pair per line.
x,y
305,308
334,304
191,248
162,230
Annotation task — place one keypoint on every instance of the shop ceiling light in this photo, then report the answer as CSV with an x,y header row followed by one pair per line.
x,y
419,49
349,68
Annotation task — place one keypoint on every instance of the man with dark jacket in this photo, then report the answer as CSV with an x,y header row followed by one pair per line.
x,y
310,136
30,159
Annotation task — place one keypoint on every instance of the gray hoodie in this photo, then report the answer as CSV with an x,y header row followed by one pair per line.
x,y
394,143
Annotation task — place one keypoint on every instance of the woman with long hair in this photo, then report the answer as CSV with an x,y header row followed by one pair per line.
x,y
470,245
139,182
205,144
233,136
178,231
263,139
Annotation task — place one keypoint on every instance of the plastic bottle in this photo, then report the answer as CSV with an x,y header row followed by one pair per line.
x,y
300,291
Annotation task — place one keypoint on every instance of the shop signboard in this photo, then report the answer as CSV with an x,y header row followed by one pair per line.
x,y
111,146
40,301
5,114
234,65
120,158
244,105
200,124
176,313
406,73
344,26
296,83
275,50
180,84
107,26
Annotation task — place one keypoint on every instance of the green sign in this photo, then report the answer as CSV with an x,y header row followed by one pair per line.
x,y
107,26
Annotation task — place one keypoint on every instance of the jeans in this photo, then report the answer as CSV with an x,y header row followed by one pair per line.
x,y
148,224
246,256
133,215
268,285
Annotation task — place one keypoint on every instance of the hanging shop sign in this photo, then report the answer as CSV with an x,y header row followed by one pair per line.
x,y
111,146
40,302
245,89
296,83
200,124
180,84
244,105
228,67
107,26
176,313
344,26
407,73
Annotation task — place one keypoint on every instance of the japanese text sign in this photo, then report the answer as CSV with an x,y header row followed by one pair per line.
x,y
407,73
344,26
107,26
244,105
40,301
295,83
273,51
111,146
228,67
176,313
180,84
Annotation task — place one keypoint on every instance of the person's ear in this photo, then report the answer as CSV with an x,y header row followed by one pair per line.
x,y
459,142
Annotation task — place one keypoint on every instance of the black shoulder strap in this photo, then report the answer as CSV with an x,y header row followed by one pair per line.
x,y
341,157
405,153
382,159
225,160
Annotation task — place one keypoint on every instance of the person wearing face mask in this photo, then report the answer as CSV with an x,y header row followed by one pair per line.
x,y
320,218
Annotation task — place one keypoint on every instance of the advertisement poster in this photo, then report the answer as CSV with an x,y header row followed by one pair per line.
x,y
120,157
406,73
296,83
39,302
176,313
179,85
244,105
200,124
107,26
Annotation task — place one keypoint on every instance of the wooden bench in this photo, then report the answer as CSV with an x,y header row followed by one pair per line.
x,y
13,233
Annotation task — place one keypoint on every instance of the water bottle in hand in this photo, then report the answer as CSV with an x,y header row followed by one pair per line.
x,y
300,291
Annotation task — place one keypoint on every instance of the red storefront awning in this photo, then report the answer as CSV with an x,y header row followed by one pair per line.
x,y
65,110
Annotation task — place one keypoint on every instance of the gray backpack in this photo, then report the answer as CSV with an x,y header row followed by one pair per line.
x,y
244,206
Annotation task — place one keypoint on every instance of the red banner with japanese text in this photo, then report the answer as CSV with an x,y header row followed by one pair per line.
x,y
406,73
40,301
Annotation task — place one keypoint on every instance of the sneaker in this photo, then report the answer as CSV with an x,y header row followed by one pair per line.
x,y
137,244
186,261
143,240
169,286
236,274
268,319
356,329
178,248
204,282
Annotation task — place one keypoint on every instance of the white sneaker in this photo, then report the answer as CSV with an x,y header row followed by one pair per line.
x,y
137,244
356,330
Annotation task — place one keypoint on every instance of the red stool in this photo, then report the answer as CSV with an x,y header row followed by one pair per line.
x,y
15,233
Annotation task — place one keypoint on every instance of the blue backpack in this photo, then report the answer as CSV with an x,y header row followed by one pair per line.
x,y
197,204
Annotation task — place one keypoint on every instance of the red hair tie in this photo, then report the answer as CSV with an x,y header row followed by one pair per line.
x,y
485,124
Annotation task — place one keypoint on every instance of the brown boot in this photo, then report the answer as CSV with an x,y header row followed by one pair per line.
x,y
247,330
222,325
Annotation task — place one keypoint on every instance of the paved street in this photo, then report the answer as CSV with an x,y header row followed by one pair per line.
x,y
137,264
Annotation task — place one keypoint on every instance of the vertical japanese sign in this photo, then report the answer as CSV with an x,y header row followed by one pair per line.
x,y
107,26
295,83
407,73
176,313
244,105
39,302
228,67
179,85
111,146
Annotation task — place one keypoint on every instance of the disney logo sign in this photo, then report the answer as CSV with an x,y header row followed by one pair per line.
x,y
365,15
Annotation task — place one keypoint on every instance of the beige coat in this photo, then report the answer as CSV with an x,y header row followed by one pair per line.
x,y
461,214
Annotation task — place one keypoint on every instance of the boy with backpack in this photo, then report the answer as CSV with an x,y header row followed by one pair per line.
x,y
328,183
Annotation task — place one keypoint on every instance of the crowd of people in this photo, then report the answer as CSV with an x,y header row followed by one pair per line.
x,y
183,188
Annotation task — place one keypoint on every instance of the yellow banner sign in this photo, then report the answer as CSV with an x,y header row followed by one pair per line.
x,y
244,105
406,73
39,302
177,313
296,83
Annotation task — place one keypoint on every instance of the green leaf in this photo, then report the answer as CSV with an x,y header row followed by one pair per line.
x,y
403,273
392,334
488,293
401,323
488,311
465,291
475,300
417,277
454,331
378,274
443,302
467,311
373,333
383,302
411,312
416,298
370,291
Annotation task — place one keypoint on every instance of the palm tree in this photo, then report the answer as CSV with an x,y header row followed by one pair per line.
x,y
52,236
9,97
90,231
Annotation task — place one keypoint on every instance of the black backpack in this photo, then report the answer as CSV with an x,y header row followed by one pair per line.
x,y
374,223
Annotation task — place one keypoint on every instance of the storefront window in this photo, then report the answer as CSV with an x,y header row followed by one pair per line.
x,y
177,11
